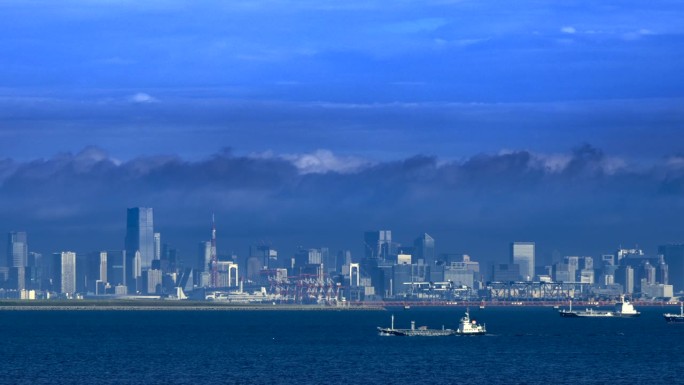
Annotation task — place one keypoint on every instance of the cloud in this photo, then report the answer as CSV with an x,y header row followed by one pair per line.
x,y
582,201
142,98
569,30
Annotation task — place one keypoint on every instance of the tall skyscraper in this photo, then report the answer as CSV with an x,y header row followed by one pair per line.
x,y
157,246
140,235
522,254
17,249
64,272
674,257
424,247
377,244
204,256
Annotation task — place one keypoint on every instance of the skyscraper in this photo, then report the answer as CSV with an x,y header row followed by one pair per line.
x,y
674,257
157,246
140,235
522,254
64,272
17,249
424,247
377,244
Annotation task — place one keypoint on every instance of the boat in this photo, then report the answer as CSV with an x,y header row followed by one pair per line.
x,y
625,309
675,318
622,309
469,328
482,305
422,331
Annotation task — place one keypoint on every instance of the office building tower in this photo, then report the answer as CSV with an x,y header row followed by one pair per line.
x,y
157,246
17,249
308,257
662,271
267,254
204,256
64,272
424,248
522,254
673,255
116,267
140,234
377,244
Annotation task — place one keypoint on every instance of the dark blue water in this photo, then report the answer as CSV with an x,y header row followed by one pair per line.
x,y
526,346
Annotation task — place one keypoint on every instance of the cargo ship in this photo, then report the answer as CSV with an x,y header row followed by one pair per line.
x,y
422,331
622,309
675,318
466,327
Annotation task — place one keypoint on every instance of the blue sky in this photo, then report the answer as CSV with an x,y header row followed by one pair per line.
x,y
331,92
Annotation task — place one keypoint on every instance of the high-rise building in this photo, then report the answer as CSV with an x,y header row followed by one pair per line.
x,y
17,249
424,247
377,244
204,256
116,267
140,235
157,246
674,258
522,254
64,272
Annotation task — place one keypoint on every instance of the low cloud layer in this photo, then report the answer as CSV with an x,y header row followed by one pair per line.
x,y
580,202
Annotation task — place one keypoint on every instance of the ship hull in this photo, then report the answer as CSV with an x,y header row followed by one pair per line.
x,y
416,332
674,319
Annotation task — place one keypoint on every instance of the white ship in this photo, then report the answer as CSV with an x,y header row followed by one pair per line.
x,y
625,309
469,328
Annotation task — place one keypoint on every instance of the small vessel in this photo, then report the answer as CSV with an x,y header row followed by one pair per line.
x,y
421,331
482,305
675,318
625,309
469,328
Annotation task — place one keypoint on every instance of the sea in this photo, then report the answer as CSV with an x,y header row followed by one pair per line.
x,y
525,345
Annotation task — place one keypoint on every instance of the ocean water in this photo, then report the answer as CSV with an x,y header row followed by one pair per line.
x,y
525,346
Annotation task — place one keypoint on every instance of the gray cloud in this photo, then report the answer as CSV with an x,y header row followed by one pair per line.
x,y
476,205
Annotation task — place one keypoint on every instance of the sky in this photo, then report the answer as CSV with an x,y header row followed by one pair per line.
x,y
305,123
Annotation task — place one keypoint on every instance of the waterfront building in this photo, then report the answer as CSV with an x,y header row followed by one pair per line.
x,y
522,254
17,249
674,257
657,290
140,234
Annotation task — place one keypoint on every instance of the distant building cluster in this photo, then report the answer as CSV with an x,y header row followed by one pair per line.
x,y
387,271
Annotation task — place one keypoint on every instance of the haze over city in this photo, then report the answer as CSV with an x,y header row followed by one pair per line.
x,y
308,123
